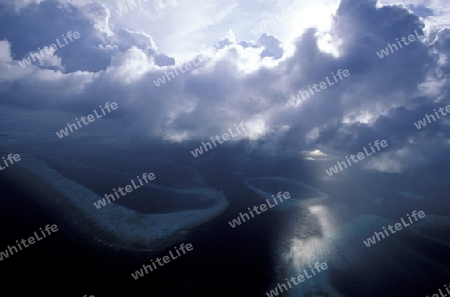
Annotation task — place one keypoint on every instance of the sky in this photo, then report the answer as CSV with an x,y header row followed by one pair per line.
x,y
249,72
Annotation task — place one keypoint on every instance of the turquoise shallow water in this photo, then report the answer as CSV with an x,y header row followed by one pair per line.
x,y
331,228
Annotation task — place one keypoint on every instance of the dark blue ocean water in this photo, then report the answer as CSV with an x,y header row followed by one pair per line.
x,y
250,259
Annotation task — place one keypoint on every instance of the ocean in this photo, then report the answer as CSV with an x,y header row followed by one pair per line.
x,y
328,223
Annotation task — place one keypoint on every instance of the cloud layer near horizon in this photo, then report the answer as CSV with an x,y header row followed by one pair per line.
x,y
242,80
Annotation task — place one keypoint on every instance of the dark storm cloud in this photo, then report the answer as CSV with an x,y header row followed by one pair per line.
x,y
39,25
245,81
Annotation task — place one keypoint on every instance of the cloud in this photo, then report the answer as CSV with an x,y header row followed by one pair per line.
x,y
239,80
315,155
